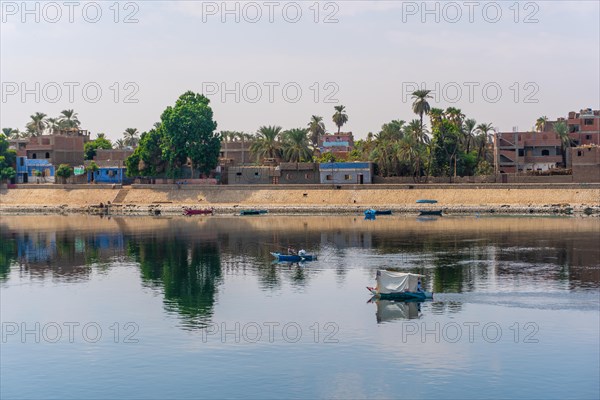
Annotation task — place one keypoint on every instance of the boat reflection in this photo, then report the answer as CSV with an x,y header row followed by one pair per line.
x,y
389,310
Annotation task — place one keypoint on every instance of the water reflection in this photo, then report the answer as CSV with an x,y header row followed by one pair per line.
x,y
188,259
390,310
188,273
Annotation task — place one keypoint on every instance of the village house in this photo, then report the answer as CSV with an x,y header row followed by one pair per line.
x,y
354,173
340,145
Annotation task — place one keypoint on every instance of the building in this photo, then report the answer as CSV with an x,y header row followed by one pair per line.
x,y
356,173
527,151
586,163
255,175
36,170
338,144
57,149
584,127
235,153
297,174
108,172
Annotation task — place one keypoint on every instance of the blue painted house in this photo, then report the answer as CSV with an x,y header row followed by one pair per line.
x,y
108,175
27,169
353,173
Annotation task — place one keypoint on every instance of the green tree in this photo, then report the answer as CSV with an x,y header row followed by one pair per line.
x,y
69,120
38,124
340,117
267,143
89,149
562,131
147,158
189,132
316,127
64,171
540,123
130,137
420,105
295,147
119,144
53,125
7,160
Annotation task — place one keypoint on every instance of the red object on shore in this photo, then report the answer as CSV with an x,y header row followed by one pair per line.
x,y
192,211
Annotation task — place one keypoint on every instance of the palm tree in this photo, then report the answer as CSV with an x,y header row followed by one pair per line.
x,y
482,139
540,124
37,125
468,130
316,127
69,120
295,146
340,117
562,130
101,135
53,125
119,144
455,116
8,132
408,149
420,105
267,144
414,129
131,137
435,117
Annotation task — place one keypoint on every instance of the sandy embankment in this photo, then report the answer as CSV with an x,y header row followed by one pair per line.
x,y
170,199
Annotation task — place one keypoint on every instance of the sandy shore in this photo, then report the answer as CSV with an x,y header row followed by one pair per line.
x,y
171,199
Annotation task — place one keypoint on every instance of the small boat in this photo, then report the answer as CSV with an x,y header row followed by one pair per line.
x,y
294,257
193,211
426,201
399,285
378,212
253,212
430,212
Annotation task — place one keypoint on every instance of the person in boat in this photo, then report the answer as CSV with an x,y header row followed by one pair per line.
x,y
419,288
302,253
291,251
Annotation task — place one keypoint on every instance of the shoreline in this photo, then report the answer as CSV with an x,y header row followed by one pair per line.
x,y
577,199
224,210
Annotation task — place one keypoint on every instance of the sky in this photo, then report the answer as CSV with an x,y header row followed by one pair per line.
x,y
120,64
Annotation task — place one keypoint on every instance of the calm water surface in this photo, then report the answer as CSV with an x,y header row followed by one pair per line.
x,y
194,307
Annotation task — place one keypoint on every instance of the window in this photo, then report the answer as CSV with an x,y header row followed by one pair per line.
x,y
347,177
558,152
588,121
579,153
329,177
574,128
588,137
256,174
22,162
34,156
307,176
521,152
545,152
288,177
47,155
238,173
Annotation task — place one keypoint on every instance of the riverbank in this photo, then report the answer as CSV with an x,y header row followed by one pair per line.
x,y
171,199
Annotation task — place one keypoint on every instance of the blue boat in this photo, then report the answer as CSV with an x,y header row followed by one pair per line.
x,y
426,201
253,212
378,212
431,212
294,257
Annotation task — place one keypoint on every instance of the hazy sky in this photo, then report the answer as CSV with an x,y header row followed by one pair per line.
x,y
277,63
